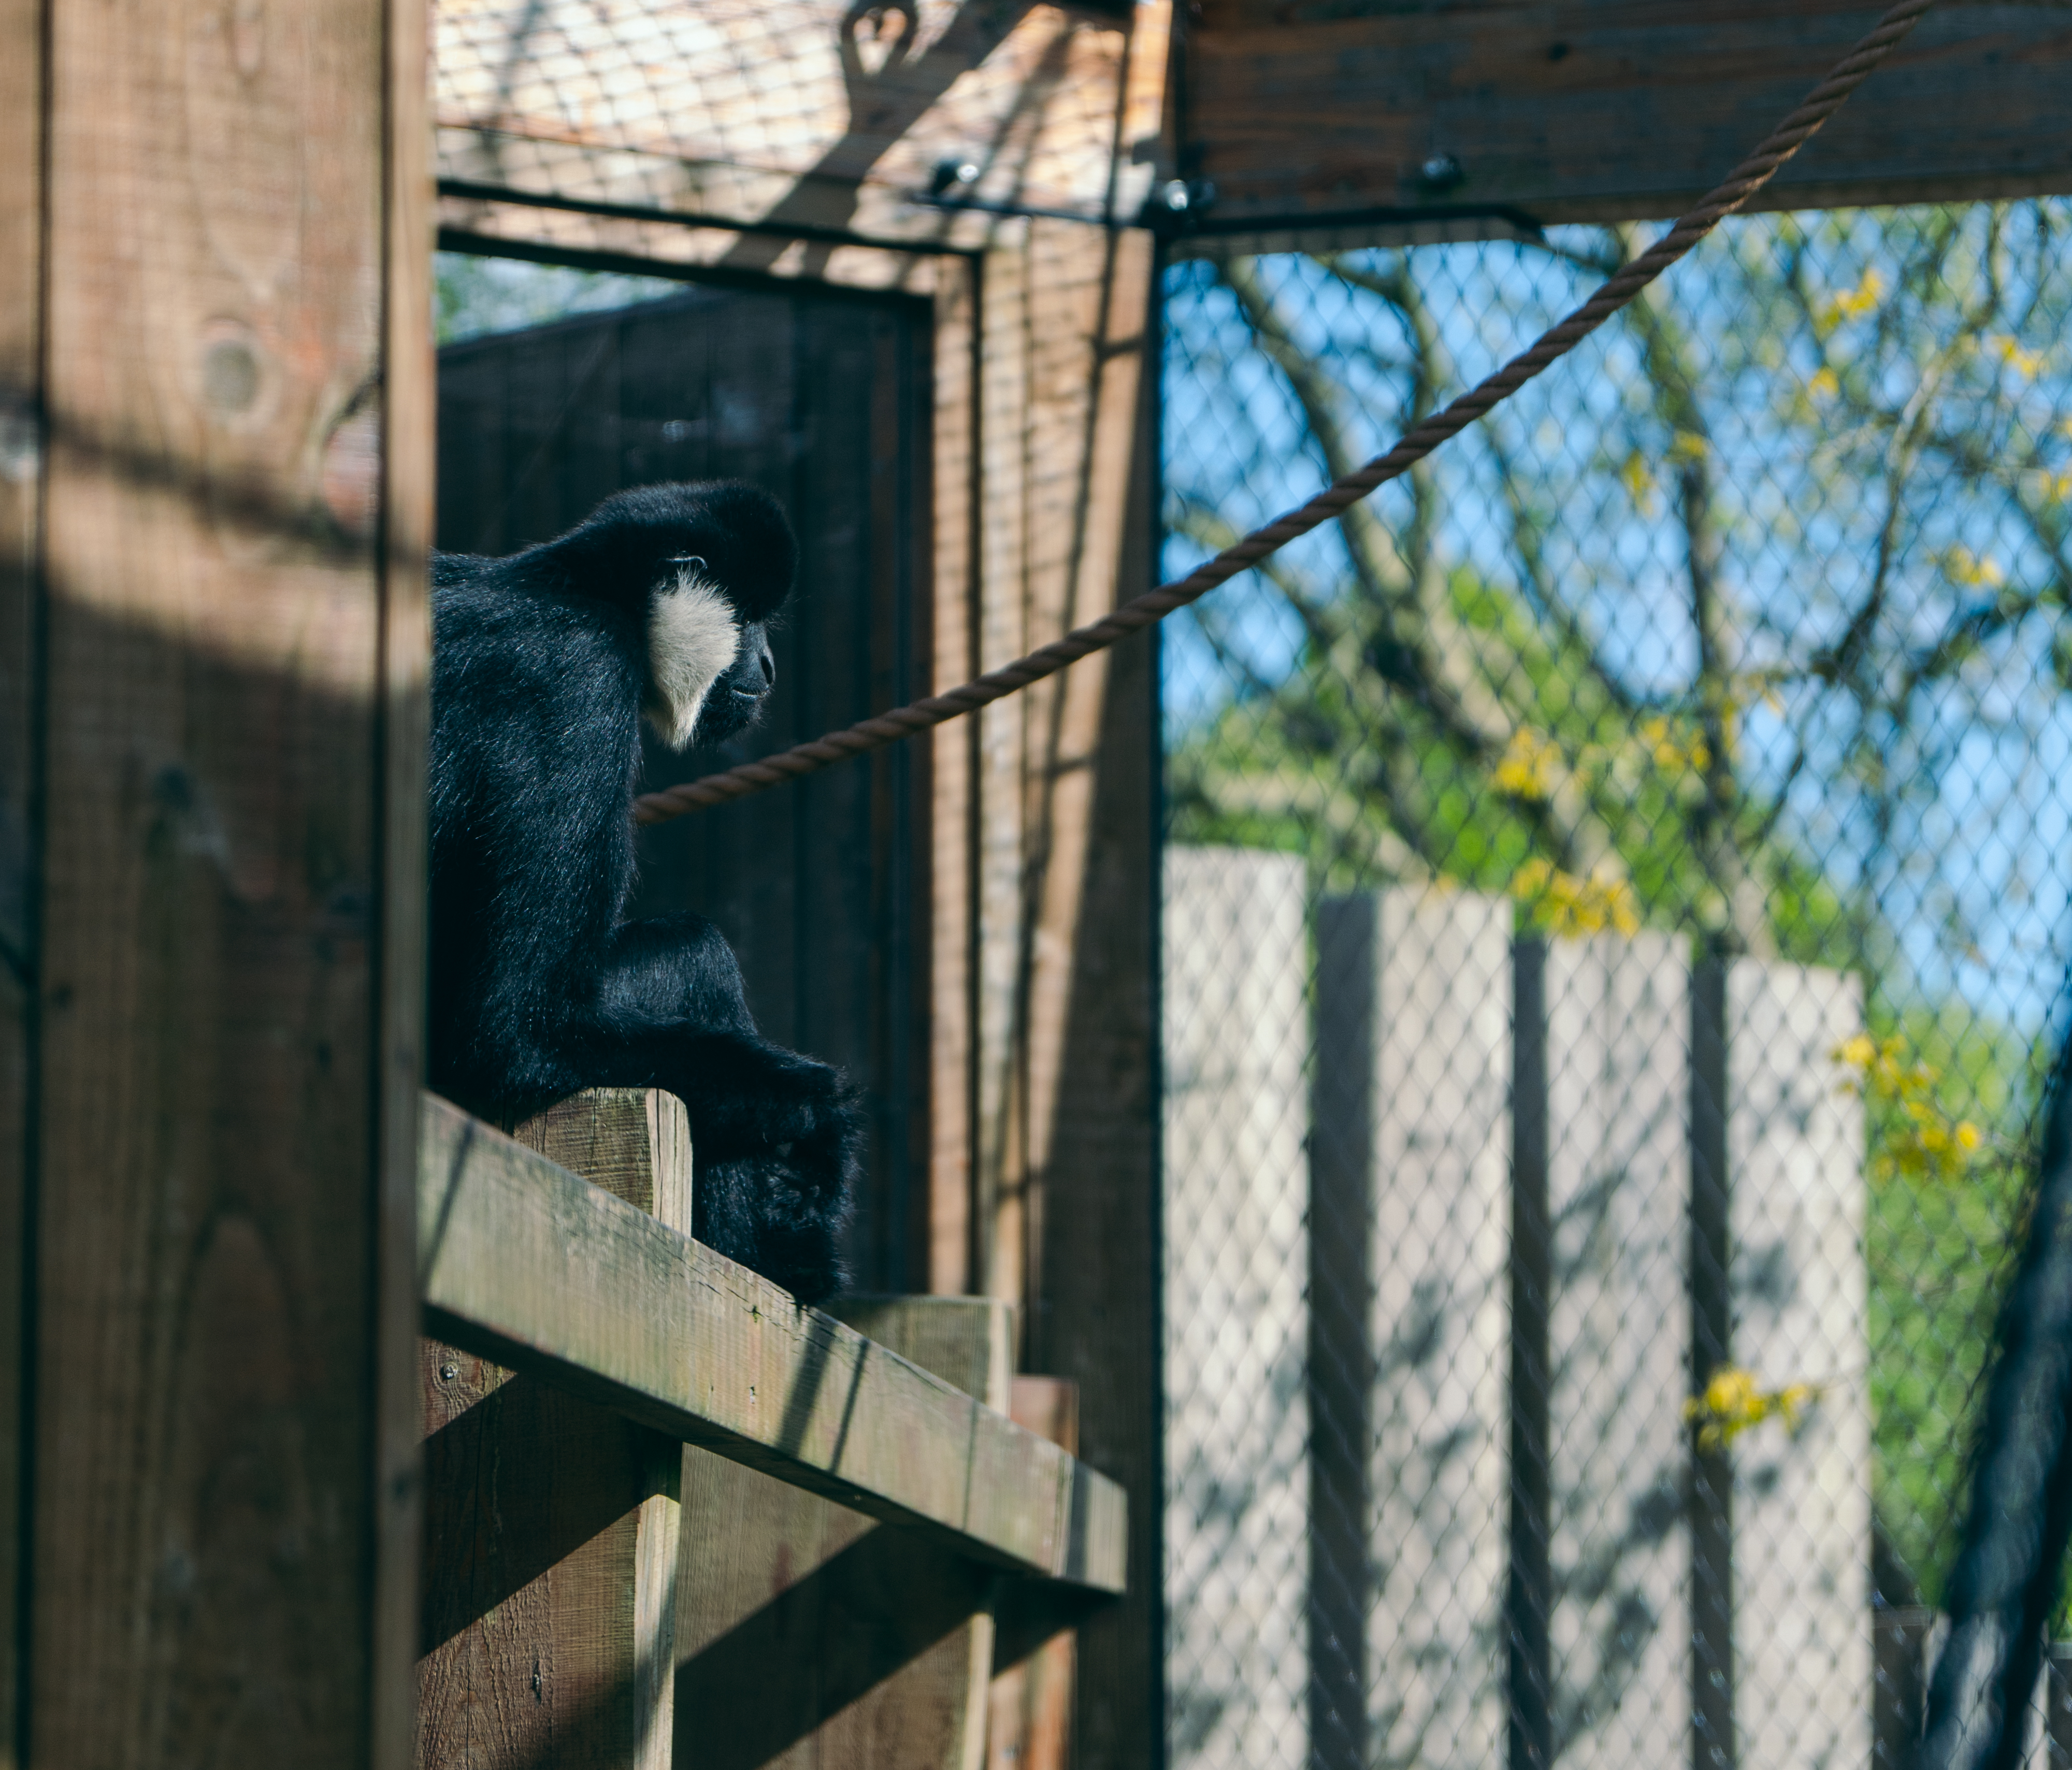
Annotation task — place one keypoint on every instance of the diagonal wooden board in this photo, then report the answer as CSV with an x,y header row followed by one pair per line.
x,y
521,1262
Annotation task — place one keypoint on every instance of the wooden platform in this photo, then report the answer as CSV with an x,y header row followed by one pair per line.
x,y
521,1262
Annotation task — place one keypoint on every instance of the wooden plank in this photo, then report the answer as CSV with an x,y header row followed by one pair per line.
x,y
1000,904
214,1426
1237,1329
1585,110
1615,1445
521,1262
1095,1321
953,773
1438,1260
22,29
1091,314
1802,1519
809,1635
553,1526
1030,1705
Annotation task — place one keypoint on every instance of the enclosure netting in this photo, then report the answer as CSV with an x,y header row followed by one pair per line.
x,y
1616,907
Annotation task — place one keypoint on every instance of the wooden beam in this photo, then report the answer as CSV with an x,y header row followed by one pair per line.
x,y
226,996
953,780
1599,110
552,1531
523,1262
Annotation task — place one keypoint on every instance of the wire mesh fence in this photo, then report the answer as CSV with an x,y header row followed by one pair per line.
x,y
1615,912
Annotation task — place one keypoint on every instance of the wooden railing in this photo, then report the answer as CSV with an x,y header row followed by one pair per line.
x,y
652,1476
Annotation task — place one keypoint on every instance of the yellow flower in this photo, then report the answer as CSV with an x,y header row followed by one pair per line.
x,y
1733,1401
1566,905
1530,767
1961,566
1913,1136
1851,303
2025,363
1639,479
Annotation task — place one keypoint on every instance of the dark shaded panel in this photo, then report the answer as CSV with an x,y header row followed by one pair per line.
x,y
822,398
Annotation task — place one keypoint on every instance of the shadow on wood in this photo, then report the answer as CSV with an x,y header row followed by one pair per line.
x,y
820,1646
520,1481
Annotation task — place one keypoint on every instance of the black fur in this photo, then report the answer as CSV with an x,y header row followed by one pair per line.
x,y
538,987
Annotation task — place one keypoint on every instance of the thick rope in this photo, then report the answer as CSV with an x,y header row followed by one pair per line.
x,y
1154,606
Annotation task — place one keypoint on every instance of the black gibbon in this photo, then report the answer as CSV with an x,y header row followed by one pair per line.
x,y
543,664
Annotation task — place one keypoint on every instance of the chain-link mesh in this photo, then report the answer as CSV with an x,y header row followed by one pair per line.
x,y
1615,913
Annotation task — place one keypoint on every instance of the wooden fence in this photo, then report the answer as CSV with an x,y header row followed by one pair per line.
x,y
870,1539
1452,1347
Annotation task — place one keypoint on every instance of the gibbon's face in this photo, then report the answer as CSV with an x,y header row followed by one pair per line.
x,y
709,671
714,561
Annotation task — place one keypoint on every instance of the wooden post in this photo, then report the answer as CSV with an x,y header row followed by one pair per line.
x,y
212,666
859,1599
1802,1520
551,1527
1430,1015
1615,1320
1237,1423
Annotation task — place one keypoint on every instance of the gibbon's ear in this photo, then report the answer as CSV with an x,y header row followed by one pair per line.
x,y
692,638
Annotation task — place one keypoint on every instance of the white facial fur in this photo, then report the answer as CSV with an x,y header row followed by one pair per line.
x,y
691,638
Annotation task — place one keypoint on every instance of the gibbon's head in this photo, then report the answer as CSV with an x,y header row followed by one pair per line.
x,y
709,563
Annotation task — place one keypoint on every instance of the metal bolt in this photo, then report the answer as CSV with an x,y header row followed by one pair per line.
x,y
1441,171
448,1373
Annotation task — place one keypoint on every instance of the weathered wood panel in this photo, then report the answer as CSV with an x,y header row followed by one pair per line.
x,y
1608,109
552,1529
523,1262
218,1015
823,888
756,1546
1437,1217
1237,1419
809,119
1618,1013
1801,1518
